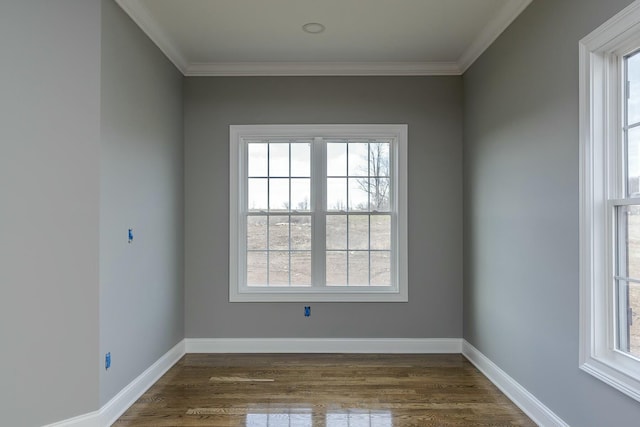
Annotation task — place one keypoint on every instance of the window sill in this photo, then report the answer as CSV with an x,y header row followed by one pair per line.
x,y
315,295
612,376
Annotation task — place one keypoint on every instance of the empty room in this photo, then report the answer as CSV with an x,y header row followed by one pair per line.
x,y
335,213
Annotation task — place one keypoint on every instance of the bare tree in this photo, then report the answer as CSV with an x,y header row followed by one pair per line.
x,y
378,185
339,206
303,205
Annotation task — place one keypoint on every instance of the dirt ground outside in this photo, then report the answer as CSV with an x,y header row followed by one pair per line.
x,y
634,288
358,250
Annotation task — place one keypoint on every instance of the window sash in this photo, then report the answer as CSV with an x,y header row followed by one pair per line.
x,y
237,220
603,192
319,211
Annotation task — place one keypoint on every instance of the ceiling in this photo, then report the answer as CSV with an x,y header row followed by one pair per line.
x,y
361,37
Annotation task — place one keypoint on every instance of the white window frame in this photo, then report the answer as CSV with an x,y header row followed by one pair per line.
x,y
398,292
601,186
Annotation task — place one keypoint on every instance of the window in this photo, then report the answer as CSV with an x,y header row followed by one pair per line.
x,y
610,202
318,213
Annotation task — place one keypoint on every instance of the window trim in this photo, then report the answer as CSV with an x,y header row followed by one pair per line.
x,y
315,294
601,175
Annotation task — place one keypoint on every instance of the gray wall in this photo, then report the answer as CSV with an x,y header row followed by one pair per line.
x,y
141,187
521,290
49,186
431,106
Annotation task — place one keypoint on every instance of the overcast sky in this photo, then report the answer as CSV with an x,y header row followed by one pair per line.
x,y
277,167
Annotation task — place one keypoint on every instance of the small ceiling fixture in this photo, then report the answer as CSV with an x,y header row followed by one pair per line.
x,y
313,28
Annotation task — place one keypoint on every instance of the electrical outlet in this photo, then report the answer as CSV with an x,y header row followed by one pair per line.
x,y
307,311
107,360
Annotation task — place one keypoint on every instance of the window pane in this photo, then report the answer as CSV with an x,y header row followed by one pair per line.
x,y
359,194
379,188
379,159
300,194
336,194
633,241
380,231
336,232
629,241
628,317
279,194
381,268
279,268
336,159
634,332
257,159
257,197
301,233
628,293
256,268
301,269
358,268
633,70
279,233
336,268
358,232
256,233
358,159
633,161
278,159
300,159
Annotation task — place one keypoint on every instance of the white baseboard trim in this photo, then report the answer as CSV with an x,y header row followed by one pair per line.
x,y
323,345
112,410
526,401
91,419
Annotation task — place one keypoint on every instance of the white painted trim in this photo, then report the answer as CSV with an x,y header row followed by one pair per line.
x,y
324,345
110,412
113,409
122,401
509,12
240,292
240,69
600,173
526,401
141,16
611,31
92,419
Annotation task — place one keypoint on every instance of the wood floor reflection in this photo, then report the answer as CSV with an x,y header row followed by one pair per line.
x,y
305,390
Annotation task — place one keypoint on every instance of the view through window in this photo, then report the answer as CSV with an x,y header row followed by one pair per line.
x,y
319,209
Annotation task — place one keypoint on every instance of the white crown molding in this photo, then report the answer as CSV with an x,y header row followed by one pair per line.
x,y
509,12
323,345
526,401
239,69
141,16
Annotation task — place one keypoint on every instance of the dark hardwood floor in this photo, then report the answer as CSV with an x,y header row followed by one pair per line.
x,y
329,390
